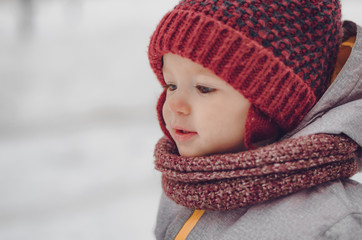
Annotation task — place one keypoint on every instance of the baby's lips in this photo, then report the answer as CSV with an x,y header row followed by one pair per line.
x,y
179,130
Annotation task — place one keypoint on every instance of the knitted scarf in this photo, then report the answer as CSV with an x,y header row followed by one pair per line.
x,y
229,181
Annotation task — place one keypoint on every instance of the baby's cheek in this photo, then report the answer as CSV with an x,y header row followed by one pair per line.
x,y
165,113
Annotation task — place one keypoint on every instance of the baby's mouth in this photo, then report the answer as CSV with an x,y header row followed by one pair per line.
x,y
181,131
182,135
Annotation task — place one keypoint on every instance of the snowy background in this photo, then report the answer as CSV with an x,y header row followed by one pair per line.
x,y
77,119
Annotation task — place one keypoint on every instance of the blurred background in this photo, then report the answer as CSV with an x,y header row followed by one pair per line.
x,y
77,118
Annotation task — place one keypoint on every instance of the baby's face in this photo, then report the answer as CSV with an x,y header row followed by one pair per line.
x,y
203,114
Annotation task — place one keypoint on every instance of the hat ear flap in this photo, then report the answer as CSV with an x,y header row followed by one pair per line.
x,y
260,129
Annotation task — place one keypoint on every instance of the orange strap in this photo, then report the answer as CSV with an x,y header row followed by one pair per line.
x,y
345,50
189,225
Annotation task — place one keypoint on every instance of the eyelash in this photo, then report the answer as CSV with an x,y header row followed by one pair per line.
x,y
204,90
201,89
170,87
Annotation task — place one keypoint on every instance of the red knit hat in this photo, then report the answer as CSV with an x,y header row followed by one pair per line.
x,y
279,54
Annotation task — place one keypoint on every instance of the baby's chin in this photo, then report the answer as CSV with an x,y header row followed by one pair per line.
x,y
187,152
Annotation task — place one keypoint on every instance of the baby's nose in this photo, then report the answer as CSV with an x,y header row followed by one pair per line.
x,y
179,105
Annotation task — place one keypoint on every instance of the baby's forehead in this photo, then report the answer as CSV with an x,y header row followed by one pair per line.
x,y
173,63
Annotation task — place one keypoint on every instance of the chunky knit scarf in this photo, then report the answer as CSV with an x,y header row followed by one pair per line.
x,y
229,181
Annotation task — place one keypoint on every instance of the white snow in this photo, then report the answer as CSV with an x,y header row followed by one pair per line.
x,y
77,118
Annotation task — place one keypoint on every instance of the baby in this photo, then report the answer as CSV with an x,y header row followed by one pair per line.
x,y
245,154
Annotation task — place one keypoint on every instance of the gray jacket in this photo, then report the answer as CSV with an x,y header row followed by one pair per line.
x,y
329,211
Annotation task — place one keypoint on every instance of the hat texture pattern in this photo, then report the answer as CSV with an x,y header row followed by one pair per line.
x,y
279,54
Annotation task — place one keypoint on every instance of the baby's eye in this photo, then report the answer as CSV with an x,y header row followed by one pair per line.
x,y
170,87
203,89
